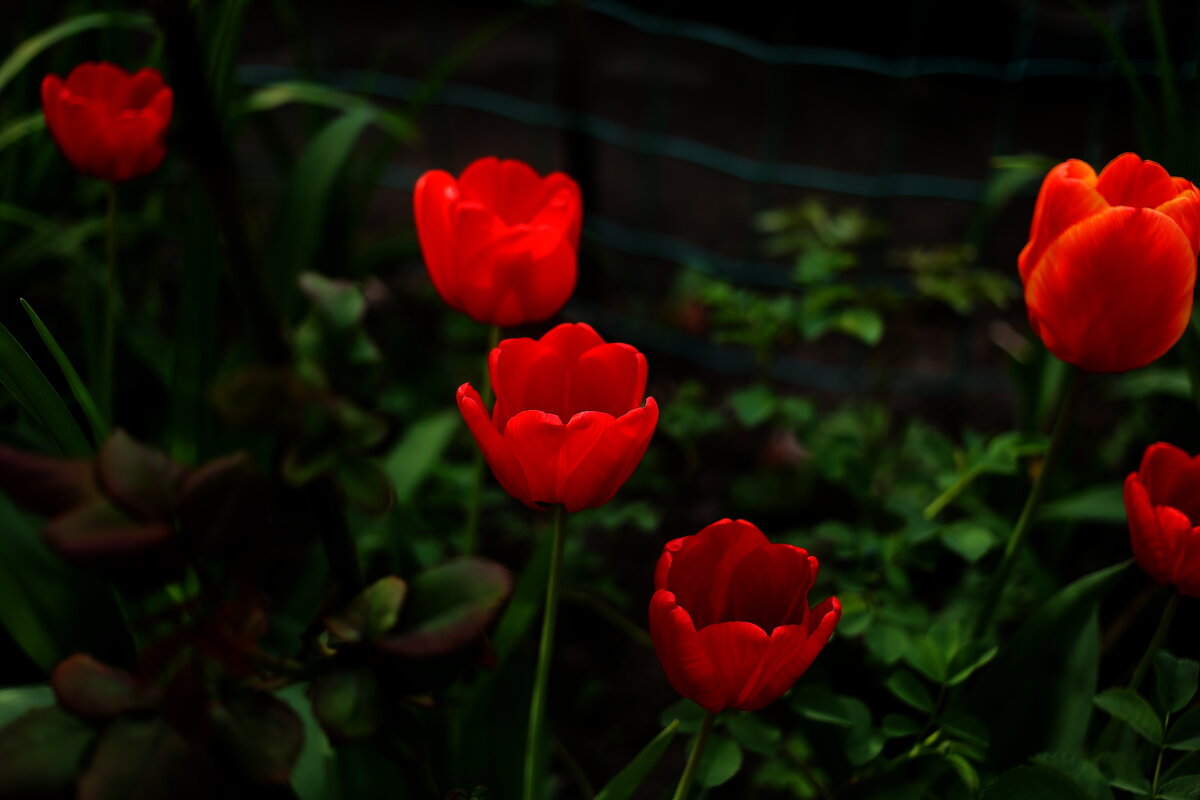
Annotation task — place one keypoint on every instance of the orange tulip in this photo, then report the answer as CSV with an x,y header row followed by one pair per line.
x,y
1111,262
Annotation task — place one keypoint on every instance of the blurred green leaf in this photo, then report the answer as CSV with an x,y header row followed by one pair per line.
x,y
1123,773
315,775
689,715
894,726
627,781
41,752
1185,787
926,657
754,733
753,405
1052,664
1175,681
1105,503
1131,708
1033,783
372,613
965,770
1084,773
29,49
21,127
1184,733
970,658
346,702
969,539
82,396
721,760
418,451
19,699
263,734
285,92
448,607
29,386
526,601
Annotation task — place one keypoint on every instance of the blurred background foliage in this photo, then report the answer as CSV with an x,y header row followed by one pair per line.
x,y
806,217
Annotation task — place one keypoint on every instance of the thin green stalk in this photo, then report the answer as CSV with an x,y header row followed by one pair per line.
x,y
541,680
1158,763
474,499
104,381
1139,673
693,762
1029,513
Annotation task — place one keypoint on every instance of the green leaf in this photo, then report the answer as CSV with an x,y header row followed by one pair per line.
x,y
1122,773
1051,663
41,752
372,613
346,703
926,657
753,405
896,726
1033,783
262,732
968,660
754,734
720,761
29,49
1185,787
966,771
412,459
526,602
687,713
302,218
909,689
626,782
1184,733
448,607
1175,681
121,769
286,92
315,775
29,386
21,127
19,699
1084,773
1104,504
78,388
969,539
1131,708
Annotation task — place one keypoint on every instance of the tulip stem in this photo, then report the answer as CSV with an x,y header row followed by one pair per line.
x,y
1066,413
105,380
475,498
537,703
693,762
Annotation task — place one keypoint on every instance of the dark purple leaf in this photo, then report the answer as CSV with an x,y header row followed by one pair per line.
x,y
138,478
263,734
45,485
147,759
100,532
89,688
346,703
374,612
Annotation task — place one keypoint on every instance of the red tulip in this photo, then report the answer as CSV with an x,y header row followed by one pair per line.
x,y
569,425
730,617
1162,501
500,241
108,123
1111,262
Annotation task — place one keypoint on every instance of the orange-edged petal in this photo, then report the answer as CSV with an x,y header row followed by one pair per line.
x,y
1114,292
496,451
684,659
703,564
1185,210
1068,195
1130,181
1172,478
434,198
595,468
790,652
770,586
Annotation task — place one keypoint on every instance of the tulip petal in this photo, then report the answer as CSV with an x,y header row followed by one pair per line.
x,y
1114,292
562,206
736,651
1068,195
611,378
703,565
1130,181
527,374
571,340
770,587
537,440
790,652
1172,478
684,659
496,451
434,197
597,466
1185,210
144,88
511,188
101,81
1186,572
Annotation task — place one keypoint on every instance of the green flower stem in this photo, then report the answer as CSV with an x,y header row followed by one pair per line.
x,y
537,703
104,381
474,499
1139,673
1066,414
693,762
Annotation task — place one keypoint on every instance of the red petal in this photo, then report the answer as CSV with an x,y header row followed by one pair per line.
x,y
571,340
1172,478
1185,210
1145,536
527,374
101,81
1114,292
703,566
663,568
1186,572
537,440
563,203
510,188
137,137
1176,532
596,468
1129,181
1068,195
610,378
434,198
770,587
685,661
144,88
496,451
736,651
790,653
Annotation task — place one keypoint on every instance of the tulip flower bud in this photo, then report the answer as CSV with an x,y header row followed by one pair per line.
x,y
1162,502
